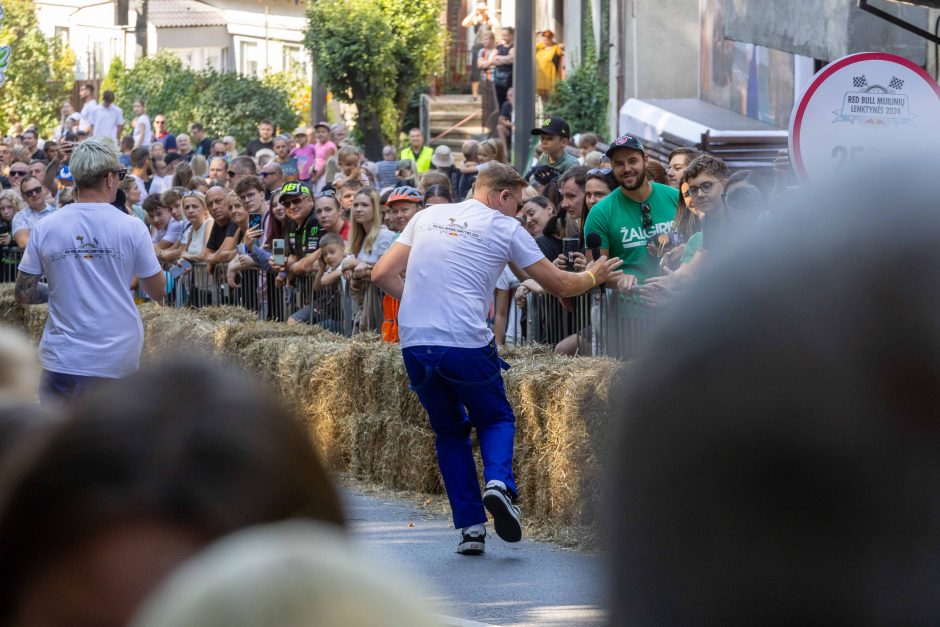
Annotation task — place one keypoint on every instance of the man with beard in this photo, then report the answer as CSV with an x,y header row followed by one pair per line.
x,y
625,219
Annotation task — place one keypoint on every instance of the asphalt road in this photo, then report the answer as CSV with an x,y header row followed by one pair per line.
x,y
528,583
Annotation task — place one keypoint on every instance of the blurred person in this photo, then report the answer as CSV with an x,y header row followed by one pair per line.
x,y
31,146
89,105
447,347
594,159
433,177
679,160
626,218
218,149
218,168
202,145
303,152
283,159
803,492
387,167
442,161
437,195
108,119
284,575
504,123
37,169
76,350
272,178
587,143
184,149
193,452
200,167
37,209
416,151
162,135
405,174
548,66
182,174
239,168
656,172
65,114
338,133
141,165
503,64
553,138
231,149
483,26
143,129
323,150
265,138
19,379
127,148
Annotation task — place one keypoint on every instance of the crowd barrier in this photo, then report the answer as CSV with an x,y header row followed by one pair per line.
x,y
601,323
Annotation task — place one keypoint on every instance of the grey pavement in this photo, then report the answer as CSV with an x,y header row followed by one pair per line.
x,y
527,583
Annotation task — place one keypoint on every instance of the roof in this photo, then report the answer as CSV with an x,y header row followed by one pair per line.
x,y
183,13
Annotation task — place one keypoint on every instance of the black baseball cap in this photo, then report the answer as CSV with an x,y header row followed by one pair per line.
x,y
295,188
553,126
625,141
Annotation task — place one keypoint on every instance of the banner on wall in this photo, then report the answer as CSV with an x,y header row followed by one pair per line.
x,y
862,107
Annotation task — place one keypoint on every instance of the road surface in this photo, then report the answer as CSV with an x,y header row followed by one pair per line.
x,y
528,583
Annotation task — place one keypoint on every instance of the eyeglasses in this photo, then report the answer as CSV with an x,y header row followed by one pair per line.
x,y
120,173
705,188
32,192
601,171
647,218
328,193
287,203
19,172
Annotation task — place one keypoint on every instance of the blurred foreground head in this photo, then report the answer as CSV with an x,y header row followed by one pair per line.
x,y
779,461
142,474
19,368
283,575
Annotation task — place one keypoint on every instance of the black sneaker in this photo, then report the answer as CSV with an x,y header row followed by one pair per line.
x,y
498,503
473,540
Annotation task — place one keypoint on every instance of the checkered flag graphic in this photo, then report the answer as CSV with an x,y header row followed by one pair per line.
x,y
896,83
859,81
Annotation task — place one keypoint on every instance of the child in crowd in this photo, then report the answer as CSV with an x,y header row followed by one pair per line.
x,y
324,309
165,231
304,154
387,167
172,199
587,144
127,147
405,174
323,149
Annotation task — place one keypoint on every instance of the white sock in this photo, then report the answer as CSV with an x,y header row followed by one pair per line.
x,y
475,529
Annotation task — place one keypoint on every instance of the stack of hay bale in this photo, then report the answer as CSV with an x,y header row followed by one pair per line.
x,y
354,399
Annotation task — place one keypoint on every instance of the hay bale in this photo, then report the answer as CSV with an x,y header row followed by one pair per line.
x,y
169,331
10,312
34,320
232,336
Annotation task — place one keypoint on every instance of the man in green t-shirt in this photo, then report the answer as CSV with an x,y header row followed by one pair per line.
x,y
629,215
553,138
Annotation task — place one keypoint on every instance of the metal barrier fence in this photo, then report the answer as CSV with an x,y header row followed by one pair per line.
x,y
600,323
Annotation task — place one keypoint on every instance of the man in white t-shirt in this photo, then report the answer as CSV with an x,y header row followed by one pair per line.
x,y
454,254
108,119
89,253
143,130
89,106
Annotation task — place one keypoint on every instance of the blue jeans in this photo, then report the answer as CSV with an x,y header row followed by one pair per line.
x,y
57,388
462,388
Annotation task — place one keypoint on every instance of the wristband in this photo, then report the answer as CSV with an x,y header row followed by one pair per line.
x,y
593,278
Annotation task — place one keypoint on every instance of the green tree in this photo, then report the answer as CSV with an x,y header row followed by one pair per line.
x,y
224,102
373,53
582,97
112,79
39,73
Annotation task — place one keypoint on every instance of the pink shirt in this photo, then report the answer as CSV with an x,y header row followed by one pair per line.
x,y
305,160
322,152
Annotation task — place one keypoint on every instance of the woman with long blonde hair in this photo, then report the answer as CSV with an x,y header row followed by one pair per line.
x,y
369,239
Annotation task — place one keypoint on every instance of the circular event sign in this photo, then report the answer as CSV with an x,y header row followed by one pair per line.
x,y
865,105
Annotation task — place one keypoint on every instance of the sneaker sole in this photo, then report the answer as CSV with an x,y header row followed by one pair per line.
x,y
507,526
471,548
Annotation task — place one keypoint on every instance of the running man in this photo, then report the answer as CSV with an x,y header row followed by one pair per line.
x,y
454,254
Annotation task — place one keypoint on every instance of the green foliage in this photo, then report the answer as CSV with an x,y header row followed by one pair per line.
x,y
39,73
374,53
113,77
582,97
224,102
297,87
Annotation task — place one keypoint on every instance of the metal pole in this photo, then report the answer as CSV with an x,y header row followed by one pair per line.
x,y
524,83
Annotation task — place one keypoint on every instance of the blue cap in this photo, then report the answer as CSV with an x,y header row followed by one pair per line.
x,y
64,174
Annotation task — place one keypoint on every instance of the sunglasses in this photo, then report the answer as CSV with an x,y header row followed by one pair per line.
x,y
647,218
32,192
601,171
120,173
287,203
705,187
19,172
325,193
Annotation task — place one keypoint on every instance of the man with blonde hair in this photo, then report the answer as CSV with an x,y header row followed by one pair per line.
x,y
454,254
90,254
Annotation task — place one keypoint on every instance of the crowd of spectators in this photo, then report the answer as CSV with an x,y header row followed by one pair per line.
x,y
258,219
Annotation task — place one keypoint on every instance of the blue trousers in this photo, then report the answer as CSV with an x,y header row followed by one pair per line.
x,y
462,388
57,388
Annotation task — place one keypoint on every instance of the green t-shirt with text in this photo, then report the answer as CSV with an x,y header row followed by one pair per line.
x,y
619,222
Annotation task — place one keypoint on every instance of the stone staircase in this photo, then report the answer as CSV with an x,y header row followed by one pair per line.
x,y
440,113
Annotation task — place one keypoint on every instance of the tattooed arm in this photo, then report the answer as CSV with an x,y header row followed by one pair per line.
x,y
29,291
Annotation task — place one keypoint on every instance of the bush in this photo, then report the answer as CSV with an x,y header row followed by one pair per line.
x,y
224,102
582,100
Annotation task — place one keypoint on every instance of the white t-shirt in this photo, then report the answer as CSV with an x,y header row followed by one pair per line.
x,y
90,253
379,247
106,121
458,252
145,136
88,112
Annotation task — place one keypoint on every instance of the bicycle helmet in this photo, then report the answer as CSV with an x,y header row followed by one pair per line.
x,y
405,193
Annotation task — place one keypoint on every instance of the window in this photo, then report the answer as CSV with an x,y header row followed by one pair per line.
x,y
249,58
62,33
292,59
